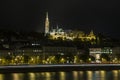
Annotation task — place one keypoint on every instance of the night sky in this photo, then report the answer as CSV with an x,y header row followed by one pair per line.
x,y
102,16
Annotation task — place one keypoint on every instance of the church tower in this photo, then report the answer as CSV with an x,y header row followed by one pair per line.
x,y
47,24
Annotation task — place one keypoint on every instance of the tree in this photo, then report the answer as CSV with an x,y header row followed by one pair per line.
x,y
8,58
105,56
92,58
26,58
84,57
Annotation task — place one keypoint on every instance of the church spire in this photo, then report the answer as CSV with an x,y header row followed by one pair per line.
x,y
46,24
47,15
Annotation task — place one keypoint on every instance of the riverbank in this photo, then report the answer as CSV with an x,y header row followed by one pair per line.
x,y
57,67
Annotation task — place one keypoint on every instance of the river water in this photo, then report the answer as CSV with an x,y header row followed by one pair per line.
x,y
72,75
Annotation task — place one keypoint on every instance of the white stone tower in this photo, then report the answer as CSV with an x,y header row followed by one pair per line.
x,y
46,24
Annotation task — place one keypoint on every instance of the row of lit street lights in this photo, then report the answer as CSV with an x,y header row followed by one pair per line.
x,y
17,60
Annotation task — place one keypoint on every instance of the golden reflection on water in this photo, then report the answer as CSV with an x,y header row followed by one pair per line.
x,y
75,74
32,76
100,75
103,75
41,76
81,77
48,76
115,74
1,77
17,76
62,75
43,73
89,75
97,75
81,73
119,71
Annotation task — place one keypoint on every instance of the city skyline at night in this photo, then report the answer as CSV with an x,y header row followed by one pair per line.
x,y
59,39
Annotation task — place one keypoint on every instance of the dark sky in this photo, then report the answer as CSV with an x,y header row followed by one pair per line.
x,y
100,15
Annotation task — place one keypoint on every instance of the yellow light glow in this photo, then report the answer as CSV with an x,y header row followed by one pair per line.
x,y
75,74
62,76
1,77
32,76
103,74
115,73
90,75
17,76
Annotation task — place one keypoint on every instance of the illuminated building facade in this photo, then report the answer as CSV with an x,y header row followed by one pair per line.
x,y
59,33
62,50
96,52
30,51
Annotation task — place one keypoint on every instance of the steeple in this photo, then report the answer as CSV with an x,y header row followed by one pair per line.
x,y
47,15
46,24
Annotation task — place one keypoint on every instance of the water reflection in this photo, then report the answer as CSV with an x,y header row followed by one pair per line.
x,y
81,75
62,76
1,77
71,75
75,74
89,75
17,76
32,76
42,76
115,74
102,75
48,76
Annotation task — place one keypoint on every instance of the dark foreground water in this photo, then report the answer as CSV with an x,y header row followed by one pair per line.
x,y
73,75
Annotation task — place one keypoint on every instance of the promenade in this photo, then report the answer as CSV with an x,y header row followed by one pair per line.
x,y
57,67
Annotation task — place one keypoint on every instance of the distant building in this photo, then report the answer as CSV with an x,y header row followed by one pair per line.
x,y
96,52
62,50
116,51
59,33
5,52
30,51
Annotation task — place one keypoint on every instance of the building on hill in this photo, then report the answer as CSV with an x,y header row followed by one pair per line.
x,y
59,33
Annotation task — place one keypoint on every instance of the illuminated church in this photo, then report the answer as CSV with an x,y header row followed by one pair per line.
x,y
59,33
